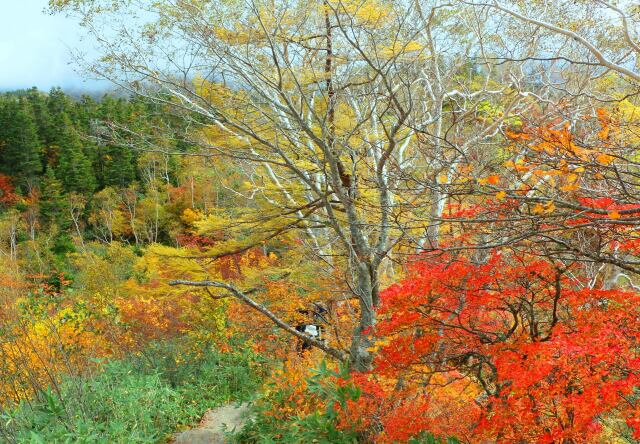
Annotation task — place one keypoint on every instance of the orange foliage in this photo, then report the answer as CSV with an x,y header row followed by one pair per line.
x,y
287,391
7,191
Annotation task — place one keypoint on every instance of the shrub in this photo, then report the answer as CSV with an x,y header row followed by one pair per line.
x,y
310,405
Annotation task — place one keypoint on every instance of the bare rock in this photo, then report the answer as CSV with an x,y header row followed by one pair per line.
x,y
200,436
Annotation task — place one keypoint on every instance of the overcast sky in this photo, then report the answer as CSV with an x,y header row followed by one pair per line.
x,y
34,48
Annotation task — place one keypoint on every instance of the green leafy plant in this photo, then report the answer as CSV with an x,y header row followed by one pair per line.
x,y
318,427
141,399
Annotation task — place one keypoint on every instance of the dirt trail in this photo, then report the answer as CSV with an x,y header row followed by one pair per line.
x,y
213,425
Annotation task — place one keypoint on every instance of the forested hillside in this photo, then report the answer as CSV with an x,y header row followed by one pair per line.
x,y
81,208
375,221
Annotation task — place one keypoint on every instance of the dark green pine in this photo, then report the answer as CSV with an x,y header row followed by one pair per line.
x,y
73,167
20,148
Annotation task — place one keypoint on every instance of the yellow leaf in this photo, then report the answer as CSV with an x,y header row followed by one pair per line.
x,y
604,159
501,195
412,46
546,208
571,183
614,215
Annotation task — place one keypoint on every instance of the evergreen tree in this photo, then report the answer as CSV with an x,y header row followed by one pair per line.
x,y
52,202
42,117
20,149
58,102
85,113
73,168
115,165
118,167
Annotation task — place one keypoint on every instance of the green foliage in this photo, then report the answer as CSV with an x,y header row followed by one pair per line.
x,y
20,148
141,399
73,168
53,206
118,166
62,245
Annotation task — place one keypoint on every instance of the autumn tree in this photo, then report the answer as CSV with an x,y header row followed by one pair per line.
x,y
348,118
7,191
573,154
522,348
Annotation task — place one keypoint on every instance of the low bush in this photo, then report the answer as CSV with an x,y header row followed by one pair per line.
x,y
296,408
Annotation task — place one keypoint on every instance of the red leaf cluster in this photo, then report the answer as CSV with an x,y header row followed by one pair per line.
x,y
8,196
516,349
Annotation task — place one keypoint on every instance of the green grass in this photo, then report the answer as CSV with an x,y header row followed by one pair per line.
x,y
141,399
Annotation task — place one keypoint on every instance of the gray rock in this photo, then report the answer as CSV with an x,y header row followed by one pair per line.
x,y
200,436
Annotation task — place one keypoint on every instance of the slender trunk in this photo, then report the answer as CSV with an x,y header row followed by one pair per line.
x,y
365,286
432,238
156,218
361,356
130,203
14,240
192,186
76,224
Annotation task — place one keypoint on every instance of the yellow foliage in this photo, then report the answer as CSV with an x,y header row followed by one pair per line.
x,y
401,48
545,208
571,183
191,216
365,12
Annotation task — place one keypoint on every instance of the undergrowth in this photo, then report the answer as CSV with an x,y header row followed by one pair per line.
x,y
141,399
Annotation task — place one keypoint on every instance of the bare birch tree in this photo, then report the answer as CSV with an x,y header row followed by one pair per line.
x,y
357,114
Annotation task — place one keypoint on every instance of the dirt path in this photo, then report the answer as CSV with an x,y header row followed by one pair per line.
x,y
213,425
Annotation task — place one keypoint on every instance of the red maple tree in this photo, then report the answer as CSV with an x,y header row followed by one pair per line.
x,y
7,192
